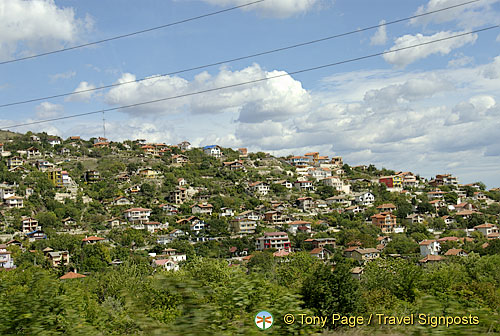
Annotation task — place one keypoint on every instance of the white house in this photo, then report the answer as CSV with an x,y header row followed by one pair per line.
x,y
319,173
121,200
54,141
137,214
5,258
364,198
304,185
294,226
14,202
488,230
7,192
429,247
337,183
259,187
213,150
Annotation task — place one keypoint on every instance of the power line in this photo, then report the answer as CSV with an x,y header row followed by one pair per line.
x,y
132,34
236,59
255,80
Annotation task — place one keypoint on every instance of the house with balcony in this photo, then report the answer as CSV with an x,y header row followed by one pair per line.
x,y
14,161
304,203
300,161
92,176
180,159
6,192
276,240
304,185
121,200
260,188
178,196
137,215
250,215
59,258
364,198
386,221
170,209
243,226
275,217
444,180
337,183
29,224
319,173
234,165
298,225
213,150
14,202
33,153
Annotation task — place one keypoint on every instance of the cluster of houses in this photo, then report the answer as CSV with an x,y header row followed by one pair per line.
x,y
284,213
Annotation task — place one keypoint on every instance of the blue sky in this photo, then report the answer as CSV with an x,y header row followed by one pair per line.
x,y
430,110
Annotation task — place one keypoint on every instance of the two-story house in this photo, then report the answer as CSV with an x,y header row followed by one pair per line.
x,y
137,215
429,247
276,240
213,150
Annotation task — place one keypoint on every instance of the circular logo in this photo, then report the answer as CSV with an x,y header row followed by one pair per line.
x,y
264,320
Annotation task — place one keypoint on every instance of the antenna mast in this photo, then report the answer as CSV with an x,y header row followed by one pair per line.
x,y
103,125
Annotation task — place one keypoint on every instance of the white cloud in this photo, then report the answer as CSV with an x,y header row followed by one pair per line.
x,y
84,96
380,36
48,110
498,38
468,17
492,70
404,57
37,25
411,90
274,99
272,8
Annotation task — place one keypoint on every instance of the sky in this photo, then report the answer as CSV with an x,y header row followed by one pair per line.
x,y
431,110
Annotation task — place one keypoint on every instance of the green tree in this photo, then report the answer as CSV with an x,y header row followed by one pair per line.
x,y
327,292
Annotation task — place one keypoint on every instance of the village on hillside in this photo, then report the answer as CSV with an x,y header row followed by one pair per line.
x,y
166,203
129,238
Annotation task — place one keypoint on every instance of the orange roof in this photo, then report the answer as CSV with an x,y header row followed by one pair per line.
x,y
300,222
92,238
426,242
386,205
72,275
137,209
281,253
484,226
453,252
316,250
